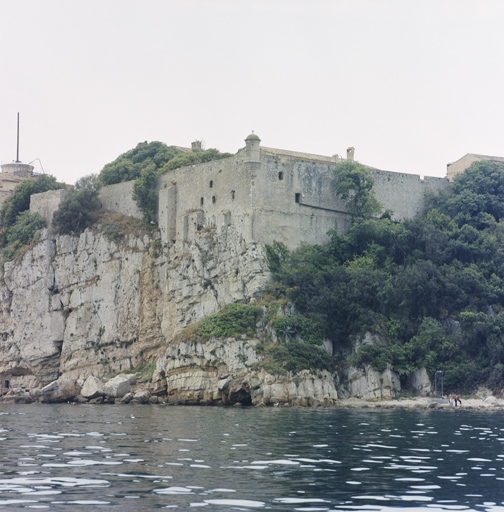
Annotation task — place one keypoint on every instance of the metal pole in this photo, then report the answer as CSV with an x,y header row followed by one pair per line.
x,y
17,153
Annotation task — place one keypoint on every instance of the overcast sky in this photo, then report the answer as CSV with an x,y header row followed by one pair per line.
x,y
412,85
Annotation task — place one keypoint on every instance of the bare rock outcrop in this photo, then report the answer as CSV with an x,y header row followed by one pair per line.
x,y
370,384
75,306
223,371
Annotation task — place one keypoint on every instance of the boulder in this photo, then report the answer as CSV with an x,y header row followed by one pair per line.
x,y
93,388
118,386
60,390
490,401
126,399
141,397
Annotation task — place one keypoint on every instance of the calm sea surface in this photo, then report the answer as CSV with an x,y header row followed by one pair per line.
x,y
140,458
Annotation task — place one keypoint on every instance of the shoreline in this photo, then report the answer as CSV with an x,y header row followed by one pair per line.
x,y
428,403
488,404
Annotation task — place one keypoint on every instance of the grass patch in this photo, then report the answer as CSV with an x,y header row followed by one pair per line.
x,y
117,226
143,373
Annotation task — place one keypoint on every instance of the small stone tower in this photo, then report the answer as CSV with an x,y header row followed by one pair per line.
x,y
18,169
253,151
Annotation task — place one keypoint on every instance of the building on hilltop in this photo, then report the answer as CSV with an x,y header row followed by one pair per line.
x,y
13,174
267,194
463,163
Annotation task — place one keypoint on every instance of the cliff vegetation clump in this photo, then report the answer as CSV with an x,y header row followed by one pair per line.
x,y
430,290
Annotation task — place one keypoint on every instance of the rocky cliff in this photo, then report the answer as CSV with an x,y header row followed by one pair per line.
x,y
75,308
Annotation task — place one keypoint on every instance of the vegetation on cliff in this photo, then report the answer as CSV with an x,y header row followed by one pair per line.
x,y
431,289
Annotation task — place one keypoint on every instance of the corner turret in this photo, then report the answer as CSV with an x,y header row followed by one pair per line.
x,y
253,151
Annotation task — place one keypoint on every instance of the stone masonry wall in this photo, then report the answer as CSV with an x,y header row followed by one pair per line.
x,y
119,198
46,203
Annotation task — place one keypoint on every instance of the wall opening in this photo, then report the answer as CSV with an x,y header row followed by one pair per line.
x,y
211,183
280,175
201,201
298,197
213,199
6,384
232,195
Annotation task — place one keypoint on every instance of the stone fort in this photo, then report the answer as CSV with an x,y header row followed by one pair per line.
x,y
266,194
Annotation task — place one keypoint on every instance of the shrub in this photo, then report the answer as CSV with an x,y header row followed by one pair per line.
x,y
22,233
294,357
231,321
78,210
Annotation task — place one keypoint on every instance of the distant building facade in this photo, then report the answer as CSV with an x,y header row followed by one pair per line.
x,y
463,163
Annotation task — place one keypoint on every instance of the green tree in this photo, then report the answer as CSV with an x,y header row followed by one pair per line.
x,y
476,196
144,192
193,158
129,165
354,184
78,210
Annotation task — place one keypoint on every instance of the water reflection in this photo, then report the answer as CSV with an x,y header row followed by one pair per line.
x,y
62,457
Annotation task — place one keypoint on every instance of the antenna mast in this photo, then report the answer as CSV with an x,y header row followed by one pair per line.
x,y
17,153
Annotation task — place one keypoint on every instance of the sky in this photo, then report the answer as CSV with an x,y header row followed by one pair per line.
x,y
412,85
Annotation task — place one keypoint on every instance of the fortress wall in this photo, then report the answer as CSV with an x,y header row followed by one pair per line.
x,y
281,215
119,198
294,200
404,194
46,203
211,194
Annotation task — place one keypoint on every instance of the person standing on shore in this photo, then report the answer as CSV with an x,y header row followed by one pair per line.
x,y
457,399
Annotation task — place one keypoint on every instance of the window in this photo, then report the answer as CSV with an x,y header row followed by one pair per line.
x,y
232,195
201,201
280,175
213,199
298,197
211,183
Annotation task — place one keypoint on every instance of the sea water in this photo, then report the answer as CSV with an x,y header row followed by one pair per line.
x,y
149,457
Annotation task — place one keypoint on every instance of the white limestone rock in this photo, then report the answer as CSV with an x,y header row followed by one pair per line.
x,y
92,388
60,390
118,386
369,384
419,382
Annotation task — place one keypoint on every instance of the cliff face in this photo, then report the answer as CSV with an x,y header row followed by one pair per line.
x,y
76,306
81,307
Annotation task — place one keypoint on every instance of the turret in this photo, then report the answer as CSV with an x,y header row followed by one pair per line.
x,y
18,169
253,151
